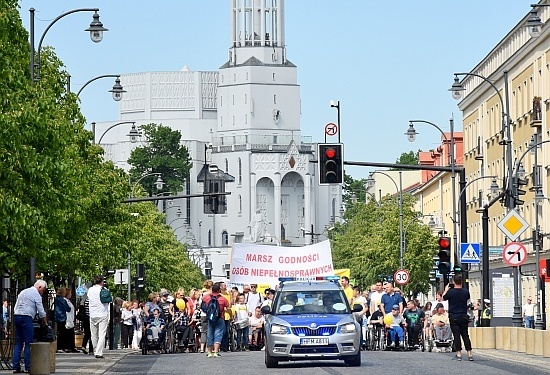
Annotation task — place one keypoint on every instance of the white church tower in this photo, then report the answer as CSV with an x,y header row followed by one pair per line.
x,y
245,120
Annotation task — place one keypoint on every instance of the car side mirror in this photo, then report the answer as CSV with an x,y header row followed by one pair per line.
x,y
357,308
265,310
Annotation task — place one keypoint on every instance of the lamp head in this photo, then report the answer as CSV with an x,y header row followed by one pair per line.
x,y
371,181
534,24
133,134
96,29
117,90
457,89
411,133
159,184
494,189
432,223
539,197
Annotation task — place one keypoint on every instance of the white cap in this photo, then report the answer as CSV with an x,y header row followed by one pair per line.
x,y
487,300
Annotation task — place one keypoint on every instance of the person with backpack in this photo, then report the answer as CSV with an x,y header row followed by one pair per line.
x,y
99,299
214,305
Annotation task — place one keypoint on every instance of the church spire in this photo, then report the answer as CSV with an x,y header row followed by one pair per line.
x,y
257,25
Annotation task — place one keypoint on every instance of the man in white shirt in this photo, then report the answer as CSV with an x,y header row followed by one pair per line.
x,y
528,314
99,317
253,299
376,296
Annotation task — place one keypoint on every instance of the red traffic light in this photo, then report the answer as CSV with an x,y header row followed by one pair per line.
x,y
444,242
330,153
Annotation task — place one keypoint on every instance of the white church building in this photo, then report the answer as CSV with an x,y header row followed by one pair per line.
x,y
245,120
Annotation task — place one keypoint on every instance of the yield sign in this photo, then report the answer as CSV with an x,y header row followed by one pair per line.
x,y
514,254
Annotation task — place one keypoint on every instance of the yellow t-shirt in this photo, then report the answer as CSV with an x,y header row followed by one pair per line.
x,y
227,315
349,293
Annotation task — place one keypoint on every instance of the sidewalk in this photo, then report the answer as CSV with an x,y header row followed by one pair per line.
x,y
80,363
515,357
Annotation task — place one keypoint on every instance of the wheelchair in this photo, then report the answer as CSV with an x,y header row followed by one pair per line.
x,y
183,338
400,345
418,341
148,344
257,342
432,343
376,337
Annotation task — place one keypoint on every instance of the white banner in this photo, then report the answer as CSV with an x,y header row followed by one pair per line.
x,y
252,263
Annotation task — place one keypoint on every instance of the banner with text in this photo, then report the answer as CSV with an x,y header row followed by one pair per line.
x,y
252,263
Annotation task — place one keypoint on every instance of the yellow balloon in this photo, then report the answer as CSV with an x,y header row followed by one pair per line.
x,y
388,319
180,304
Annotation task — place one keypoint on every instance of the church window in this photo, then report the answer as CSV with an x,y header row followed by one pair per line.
x,y
240,204
226,166
274,99
240,172
273,77
245,99
225,238
210,237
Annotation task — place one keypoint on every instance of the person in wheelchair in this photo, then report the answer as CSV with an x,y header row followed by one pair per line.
x,y
395,328
376,326
257,321
156,328
185,334
414,321
440,324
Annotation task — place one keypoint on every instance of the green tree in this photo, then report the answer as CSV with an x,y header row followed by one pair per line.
x,y
368,243
353,190
408,158
164,154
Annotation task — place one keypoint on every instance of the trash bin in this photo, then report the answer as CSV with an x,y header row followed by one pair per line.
x,y
40,358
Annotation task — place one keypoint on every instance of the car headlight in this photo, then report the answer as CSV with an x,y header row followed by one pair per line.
x,y
348,328
279,329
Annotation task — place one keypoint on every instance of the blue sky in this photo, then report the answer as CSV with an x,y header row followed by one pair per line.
x,y
385,63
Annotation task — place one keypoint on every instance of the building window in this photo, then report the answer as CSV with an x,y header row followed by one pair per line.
x,y
210,237
233,99
225,238
246,118
240,204
274,99
273,76
245,98
226,166
240,172
221,100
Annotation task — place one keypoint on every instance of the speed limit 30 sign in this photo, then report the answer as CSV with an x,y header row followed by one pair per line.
x,y
401,277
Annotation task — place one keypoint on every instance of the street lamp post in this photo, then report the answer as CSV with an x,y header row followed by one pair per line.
x,y
370,184
96,30
158,184
337,106
134,134
411,134
508,194
117,89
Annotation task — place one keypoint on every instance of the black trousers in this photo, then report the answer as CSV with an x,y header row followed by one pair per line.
x,y
414,333
87,335
127,334
459,327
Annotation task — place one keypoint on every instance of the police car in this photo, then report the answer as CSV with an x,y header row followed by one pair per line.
x,y
311,320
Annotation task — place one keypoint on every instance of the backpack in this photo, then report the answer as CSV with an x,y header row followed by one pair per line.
x,y
105,296
213,309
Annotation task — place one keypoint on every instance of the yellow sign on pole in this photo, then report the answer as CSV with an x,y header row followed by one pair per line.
x,y
513,225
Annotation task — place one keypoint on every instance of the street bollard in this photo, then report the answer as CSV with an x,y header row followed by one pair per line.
x,y
40,358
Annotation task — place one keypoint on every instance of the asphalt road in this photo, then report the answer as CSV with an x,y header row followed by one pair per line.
x,y
487,362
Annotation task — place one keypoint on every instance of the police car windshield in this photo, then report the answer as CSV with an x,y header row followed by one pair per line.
x,y
315,302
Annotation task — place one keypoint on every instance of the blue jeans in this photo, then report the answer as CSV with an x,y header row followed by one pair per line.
x,y
215,332
24,332
396,332
529,321
242,337
225,340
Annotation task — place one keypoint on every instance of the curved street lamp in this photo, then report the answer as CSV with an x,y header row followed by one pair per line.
x,y
117,89
411,134
370,183
96,30
534,23
158,184
134,134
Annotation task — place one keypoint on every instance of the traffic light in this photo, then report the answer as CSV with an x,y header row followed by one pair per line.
x,y
517,191
331,163
444,255
140,277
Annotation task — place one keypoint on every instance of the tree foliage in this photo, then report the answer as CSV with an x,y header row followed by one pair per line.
x,y
162,153
60,202
368,243
353,190
408,158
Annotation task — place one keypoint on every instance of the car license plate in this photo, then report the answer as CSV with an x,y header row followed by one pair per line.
x,y
323,341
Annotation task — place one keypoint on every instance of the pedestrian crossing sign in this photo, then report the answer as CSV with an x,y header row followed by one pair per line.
x,y
469,253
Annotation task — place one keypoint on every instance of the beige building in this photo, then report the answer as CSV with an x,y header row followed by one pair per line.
x,y
525,95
